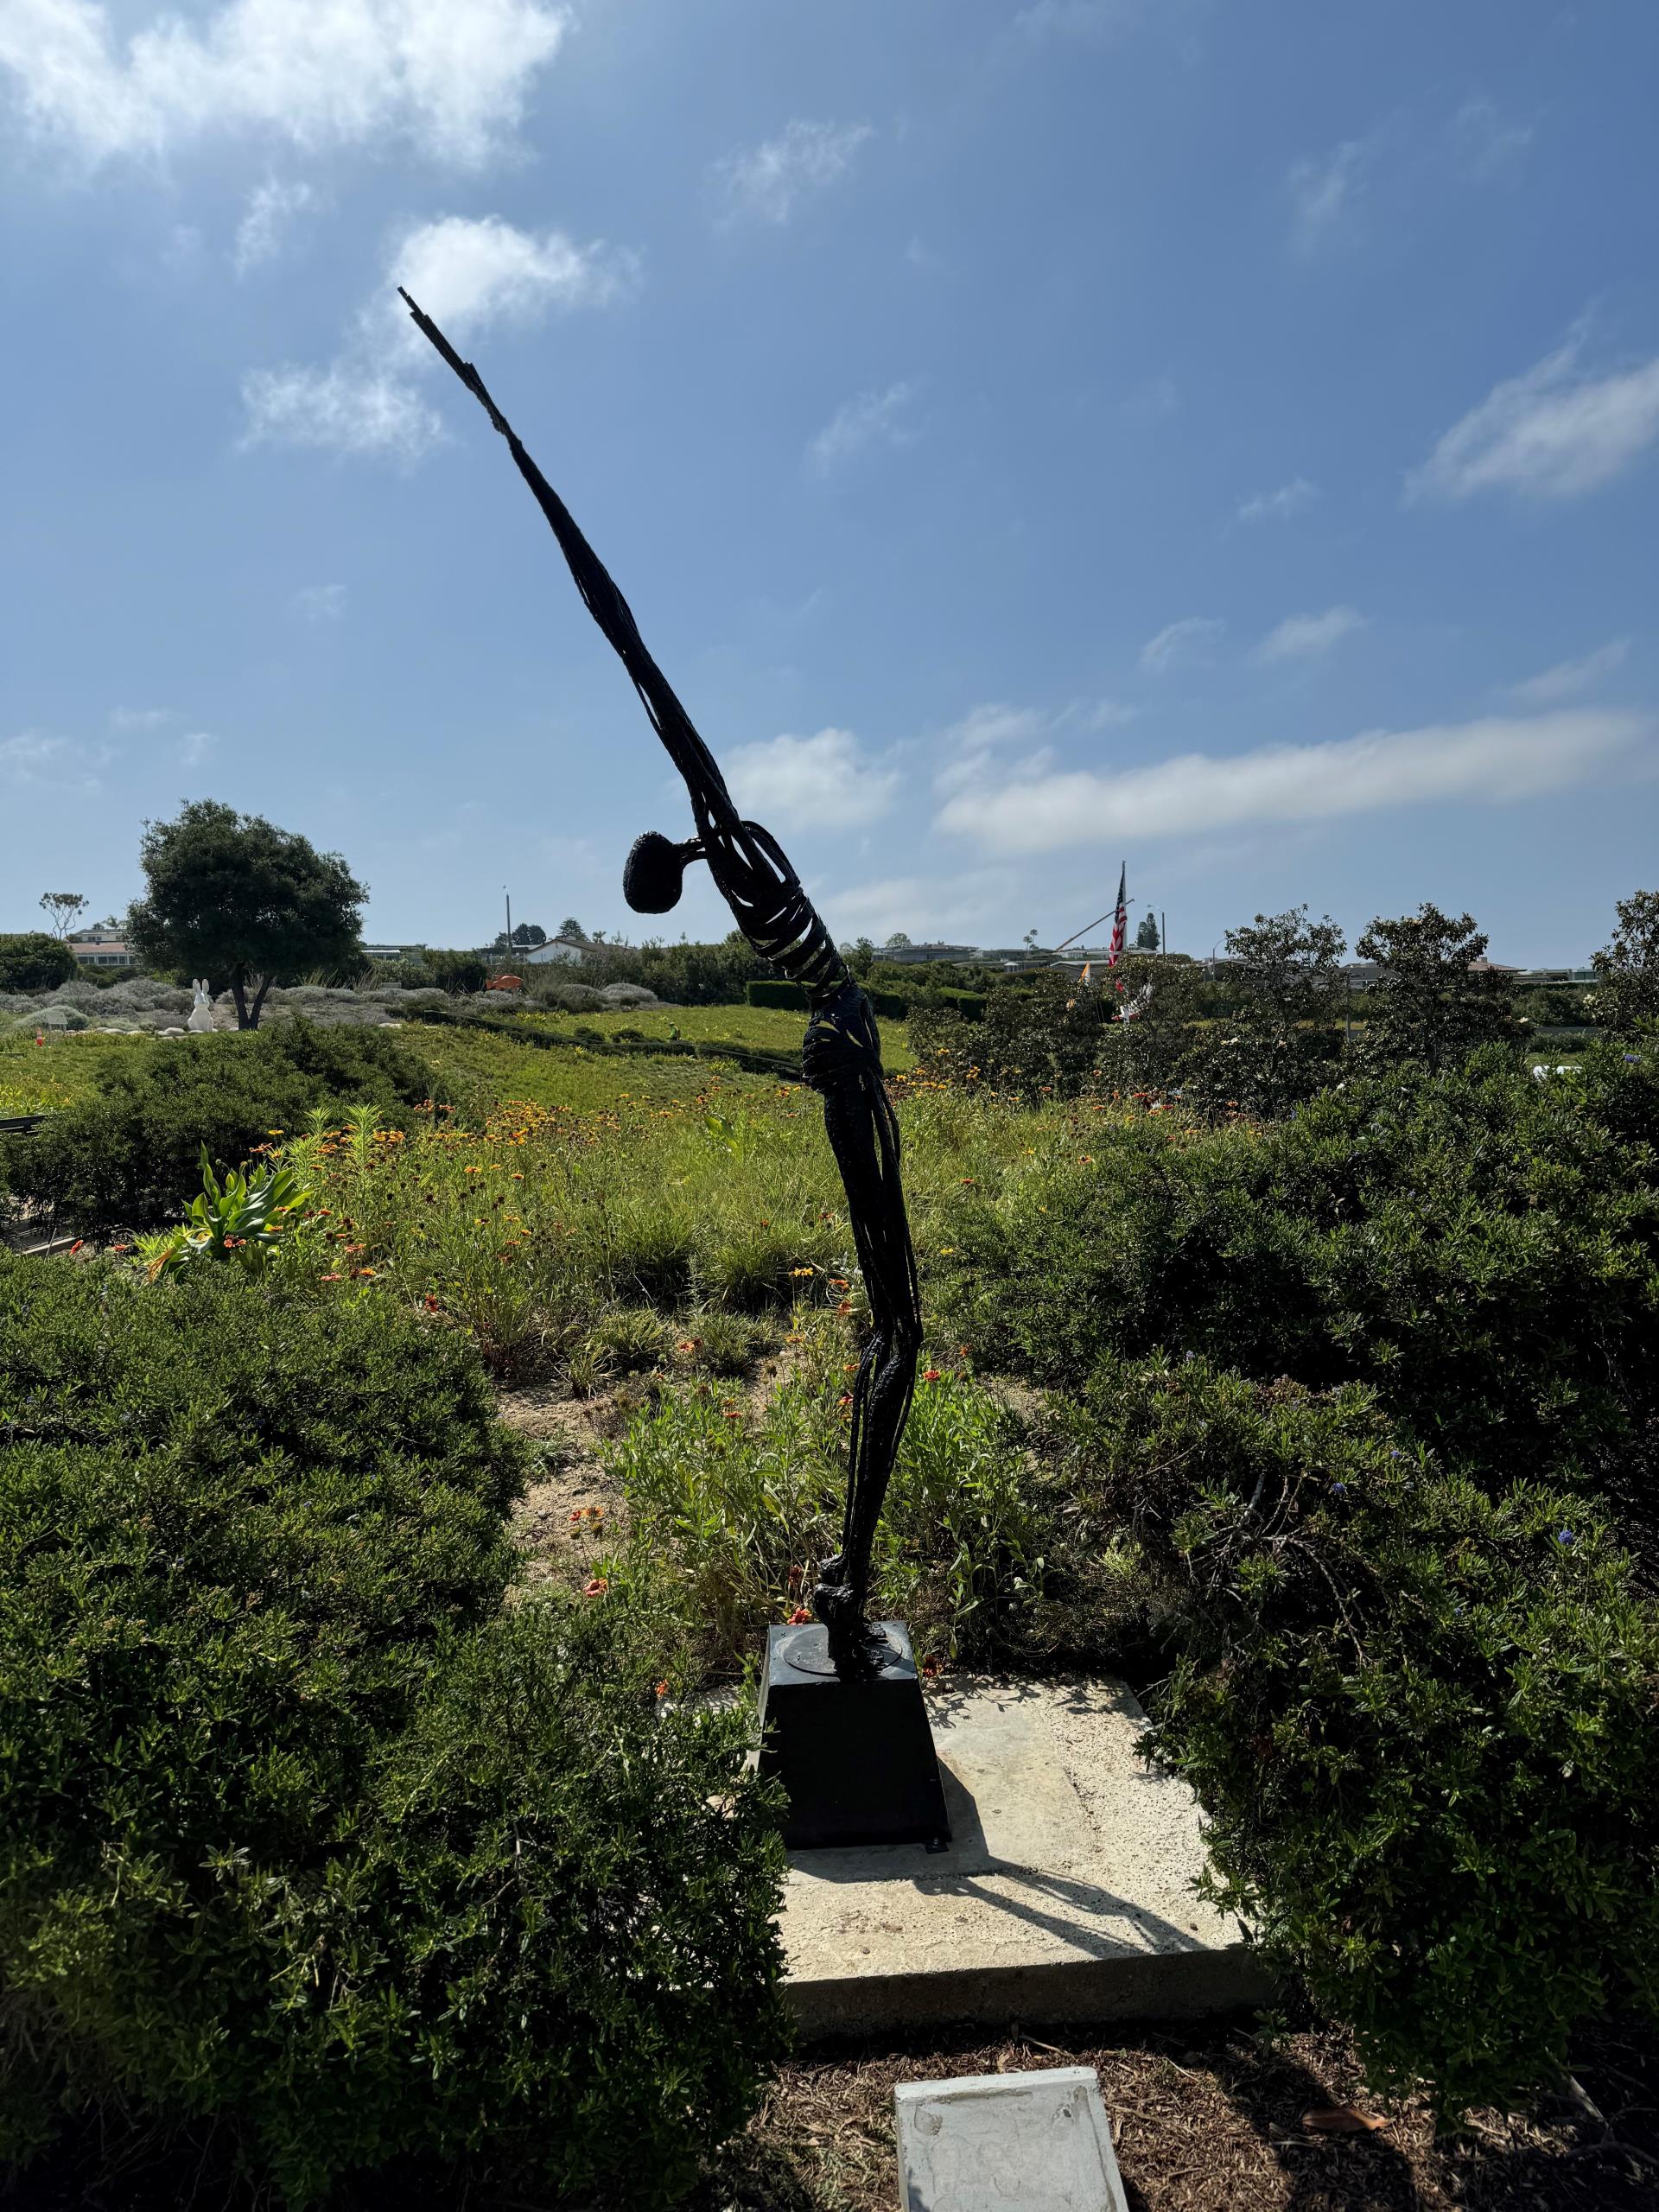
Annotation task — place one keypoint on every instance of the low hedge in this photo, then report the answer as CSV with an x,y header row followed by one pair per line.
x,y
302,1837
129,1155
1419,1717
774,990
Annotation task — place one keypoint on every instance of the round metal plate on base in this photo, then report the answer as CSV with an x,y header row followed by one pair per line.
x,y
815,1658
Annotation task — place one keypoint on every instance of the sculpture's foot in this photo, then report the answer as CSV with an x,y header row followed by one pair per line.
x,y
855,1647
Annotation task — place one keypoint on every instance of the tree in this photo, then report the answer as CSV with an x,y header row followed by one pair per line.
x,y
1627,970
1280,1042
63,909
1146,937
1430,1003
571,930
235,898
32,961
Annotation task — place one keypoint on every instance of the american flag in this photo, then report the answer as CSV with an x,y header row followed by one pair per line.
x,y
1121,919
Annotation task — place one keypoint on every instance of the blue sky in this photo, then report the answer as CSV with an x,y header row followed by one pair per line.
x,y
1031,436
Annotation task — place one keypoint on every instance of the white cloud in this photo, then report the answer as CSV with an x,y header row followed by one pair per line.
x,y
1324,192
1189,641
272,207
1489,144
341,409
969,742
467,274
953,908
194,748
1309,637
993,723
1570,677
450,79
1292,498
141,717
320,602
1497,760
767,180
825,782
875,418
46,763
470,273
1551,433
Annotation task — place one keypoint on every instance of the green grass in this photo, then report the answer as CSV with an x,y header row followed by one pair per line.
x,y
480,1068
34,1078
477,1069
775,1029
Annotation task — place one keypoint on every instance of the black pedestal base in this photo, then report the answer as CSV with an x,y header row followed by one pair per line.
x,y
855,1756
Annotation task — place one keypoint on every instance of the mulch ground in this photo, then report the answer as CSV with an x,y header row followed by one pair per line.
x,y
1206,2120
1210,2120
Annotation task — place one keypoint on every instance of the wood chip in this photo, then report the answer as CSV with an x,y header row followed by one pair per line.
x,y
1341,2119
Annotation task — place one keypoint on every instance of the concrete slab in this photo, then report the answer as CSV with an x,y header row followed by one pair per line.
x,y
1066,1893
1037,2142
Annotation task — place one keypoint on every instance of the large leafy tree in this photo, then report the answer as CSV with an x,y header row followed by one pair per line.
x,y
235,898
32,961
1627,970
1431,1004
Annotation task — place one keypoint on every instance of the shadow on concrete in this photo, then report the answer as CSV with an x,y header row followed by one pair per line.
x,y
1074,1908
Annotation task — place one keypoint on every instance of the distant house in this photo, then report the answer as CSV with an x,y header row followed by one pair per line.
x,y
102,946
917,956
556,951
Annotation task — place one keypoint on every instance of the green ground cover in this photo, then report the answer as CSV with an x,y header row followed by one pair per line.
x,y
38,1078
1336,1432
478,1067
774,1028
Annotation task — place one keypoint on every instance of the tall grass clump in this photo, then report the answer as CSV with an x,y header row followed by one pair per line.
x,y
734,1505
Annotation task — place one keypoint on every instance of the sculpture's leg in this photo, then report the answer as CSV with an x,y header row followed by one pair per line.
x,y
863,1135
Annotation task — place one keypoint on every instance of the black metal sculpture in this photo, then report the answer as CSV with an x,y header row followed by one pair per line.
x,y
841,1055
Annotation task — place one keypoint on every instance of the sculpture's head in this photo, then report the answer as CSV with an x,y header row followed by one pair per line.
x,y
654,873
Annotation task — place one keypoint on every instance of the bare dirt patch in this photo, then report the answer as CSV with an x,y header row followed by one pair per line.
x,y
573,1512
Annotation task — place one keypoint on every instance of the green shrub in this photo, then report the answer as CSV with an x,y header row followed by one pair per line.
x,y
458,973
1483,1248
305,1839
130,1154
1420,1719
32,961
